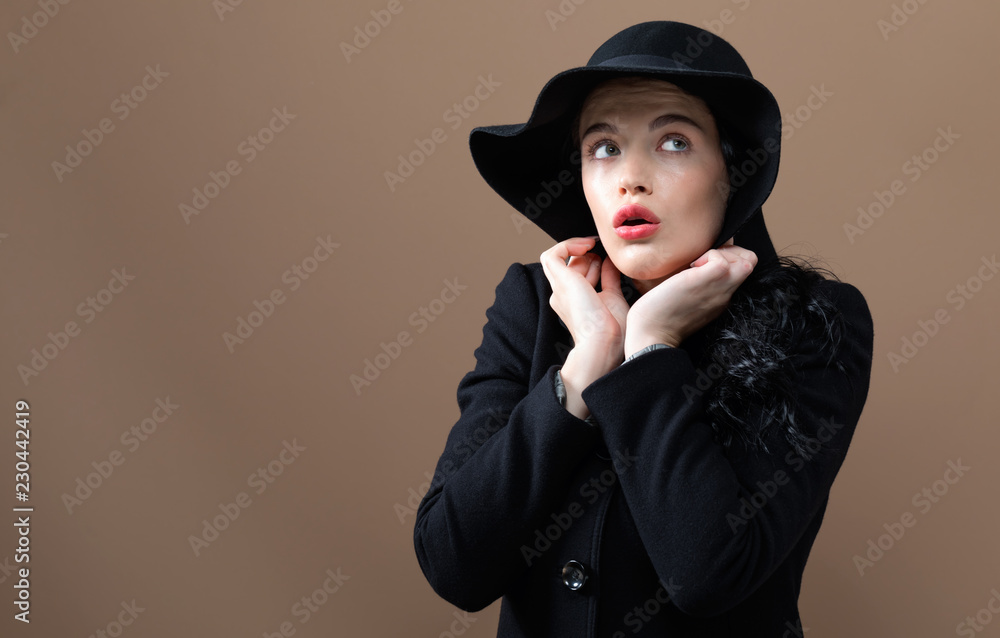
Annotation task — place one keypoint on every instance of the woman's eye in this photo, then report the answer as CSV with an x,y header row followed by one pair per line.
x,y
605,150
675,144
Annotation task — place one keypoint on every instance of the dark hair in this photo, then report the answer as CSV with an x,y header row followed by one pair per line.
x,y
751,344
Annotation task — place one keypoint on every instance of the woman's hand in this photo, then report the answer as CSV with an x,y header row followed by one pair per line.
x,y
688,300
596,320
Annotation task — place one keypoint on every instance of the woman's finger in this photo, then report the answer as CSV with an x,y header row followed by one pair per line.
x,y
568,248
554,260
739,262
729,252
581,263
594,270
738,252
587,266
610,278
705,257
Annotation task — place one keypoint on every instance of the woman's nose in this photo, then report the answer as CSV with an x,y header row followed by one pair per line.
x,y
634,176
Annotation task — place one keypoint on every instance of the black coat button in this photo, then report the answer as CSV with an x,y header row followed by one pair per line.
x,y
574,575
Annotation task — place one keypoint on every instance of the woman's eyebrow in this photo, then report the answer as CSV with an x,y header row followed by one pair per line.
x,y
663,120
670,118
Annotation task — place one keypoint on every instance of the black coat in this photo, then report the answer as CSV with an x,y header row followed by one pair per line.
x,y
676,537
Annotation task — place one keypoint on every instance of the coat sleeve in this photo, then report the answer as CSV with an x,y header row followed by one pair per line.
x,y
507,462
719,526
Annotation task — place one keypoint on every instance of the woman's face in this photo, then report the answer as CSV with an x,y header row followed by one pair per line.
x,y
648,145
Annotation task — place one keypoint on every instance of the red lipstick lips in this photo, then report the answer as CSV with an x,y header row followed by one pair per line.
x,y
635,222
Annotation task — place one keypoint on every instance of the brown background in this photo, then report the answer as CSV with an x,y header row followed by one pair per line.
x,y
338,504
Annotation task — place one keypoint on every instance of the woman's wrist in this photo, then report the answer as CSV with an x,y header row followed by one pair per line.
x,y
573,395
581,368
560,388
587,363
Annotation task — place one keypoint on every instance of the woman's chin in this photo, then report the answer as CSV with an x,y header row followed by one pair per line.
x,y
650,263
644,270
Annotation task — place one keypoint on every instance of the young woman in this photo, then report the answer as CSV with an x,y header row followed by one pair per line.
x,y
660,406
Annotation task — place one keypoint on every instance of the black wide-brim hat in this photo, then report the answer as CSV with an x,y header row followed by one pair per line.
x,y
536,169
